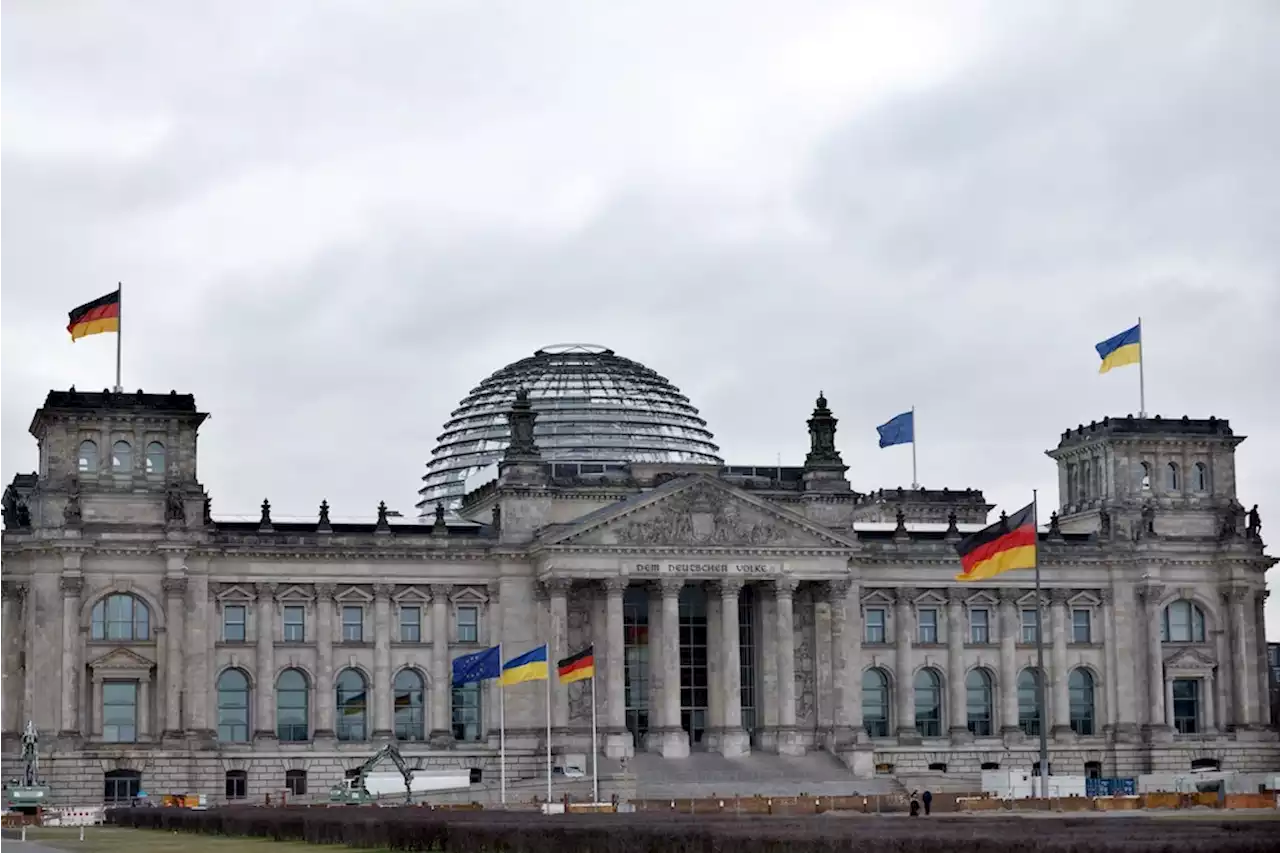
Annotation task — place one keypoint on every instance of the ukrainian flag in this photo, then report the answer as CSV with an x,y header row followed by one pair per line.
x,y
1124,348
530,666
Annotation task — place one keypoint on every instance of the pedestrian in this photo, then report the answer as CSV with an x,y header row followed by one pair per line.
x,y
928,801
915,803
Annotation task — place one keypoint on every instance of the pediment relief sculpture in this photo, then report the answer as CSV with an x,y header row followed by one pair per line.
x,y
122,660
703,515
1190,660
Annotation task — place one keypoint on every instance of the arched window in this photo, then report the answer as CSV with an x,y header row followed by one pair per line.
x,y
155,458
1146,477
233,707
1080,690
928,695
292,711
88,457
1029,717
1174,482
977,688
121,617
353,706
465,711
1183,623
121,457
1201,481
875,703
408,705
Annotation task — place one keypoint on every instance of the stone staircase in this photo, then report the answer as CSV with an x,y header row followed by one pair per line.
x,y
941,783
764,774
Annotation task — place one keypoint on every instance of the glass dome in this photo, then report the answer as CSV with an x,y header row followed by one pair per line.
x,y
596,409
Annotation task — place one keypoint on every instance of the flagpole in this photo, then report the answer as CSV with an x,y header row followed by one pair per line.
x,y
1040,699
595,750
915,483
502,732
548,680
119,333
1142,382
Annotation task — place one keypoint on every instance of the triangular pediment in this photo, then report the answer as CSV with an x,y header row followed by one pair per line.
x,y
121,660
698,511
1190,660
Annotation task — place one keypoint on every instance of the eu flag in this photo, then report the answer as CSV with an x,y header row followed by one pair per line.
x,y
477,666
900,429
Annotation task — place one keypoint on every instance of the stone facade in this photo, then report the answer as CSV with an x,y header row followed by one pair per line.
x,y
728,613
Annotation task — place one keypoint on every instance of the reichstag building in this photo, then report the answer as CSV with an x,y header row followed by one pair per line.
x,y
576,497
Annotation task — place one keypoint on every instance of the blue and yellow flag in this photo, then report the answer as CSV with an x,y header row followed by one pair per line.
x,y
530,666
1124,348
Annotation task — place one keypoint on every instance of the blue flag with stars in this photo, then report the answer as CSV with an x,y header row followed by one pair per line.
x,y
900,429
477,666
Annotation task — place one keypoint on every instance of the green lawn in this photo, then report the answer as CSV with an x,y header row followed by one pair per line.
x,y
110,839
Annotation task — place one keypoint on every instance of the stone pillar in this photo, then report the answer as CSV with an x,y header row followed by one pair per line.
x,y
11,621
853,630
675,741
383,716
1168,702
175,612
557,590
144,708
324,698
733,741
1110,716
72,584
1009,664
1126,618
441,678
264,683
493,686
196,657
1242,675
617,738
653,739
1207,701
1061,702
957,698
95,708
1262,668
844,604
784,590
904,664
1156,721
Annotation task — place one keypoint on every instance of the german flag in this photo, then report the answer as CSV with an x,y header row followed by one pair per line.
x,y
1008,544
94,318
577,667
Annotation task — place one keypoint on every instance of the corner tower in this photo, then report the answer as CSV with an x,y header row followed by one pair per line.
x,y
1176,475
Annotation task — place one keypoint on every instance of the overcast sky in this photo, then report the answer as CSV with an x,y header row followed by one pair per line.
x,y
333,219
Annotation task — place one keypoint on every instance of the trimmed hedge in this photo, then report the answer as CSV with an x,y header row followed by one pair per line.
x,y
655,832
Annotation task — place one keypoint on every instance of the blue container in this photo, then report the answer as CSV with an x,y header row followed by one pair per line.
x,y
1126,788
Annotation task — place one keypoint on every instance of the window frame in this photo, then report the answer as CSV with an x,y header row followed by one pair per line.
x,y
229,610
292,778
139,621
1197,631
88,463
346,730
121,459
986,690
1182,723
879,724
1084,724
869,625
1024,627
247,708
466,713
922,624
305,691
415,623
358,626
1087,613
150,455
928,725
985,626
411,728
285,624
464,631
236,785
111,731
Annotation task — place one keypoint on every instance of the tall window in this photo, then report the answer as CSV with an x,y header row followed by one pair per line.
x,y
1172,477
874,625
233,629
747,656
352,706
408,705
121,617
694,684
292,711
1201,481
410,624
928,695
875,703
352,623
87,460
295,782
1183,623
1146,476
1186,705
1081,626
468,624
121,457
635,651
1030,624
295,623
155,458
120,711
120,787
1029,717
467,724
233,707
927,620
237,784
979,626
1080,693
977,688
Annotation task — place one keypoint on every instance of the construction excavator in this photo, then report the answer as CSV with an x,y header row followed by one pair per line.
x,y
28,793
364,787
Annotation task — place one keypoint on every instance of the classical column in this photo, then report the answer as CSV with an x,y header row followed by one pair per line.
x,y
1262,668
1151,595
175,612
70,719
144,708
675,741
1242,676
734,741
853,628
441,681
844,602
957,699
1168,701
493,686
95,707
904,692
617,738
784,590
557,594
382,626
1207,701
1061,702
265,664
1111,716
14,592
324,698
653,739
196,656
1009,627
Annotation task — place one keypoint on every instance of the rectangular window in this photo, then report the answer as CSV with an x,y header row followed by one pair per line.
x,y
928,624
295,782
1081,626
237,784
120,711
1030,625
979,630
635,660
467,726
410,625
233,623
875,629
1186,705
295,623
352,623
468,624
